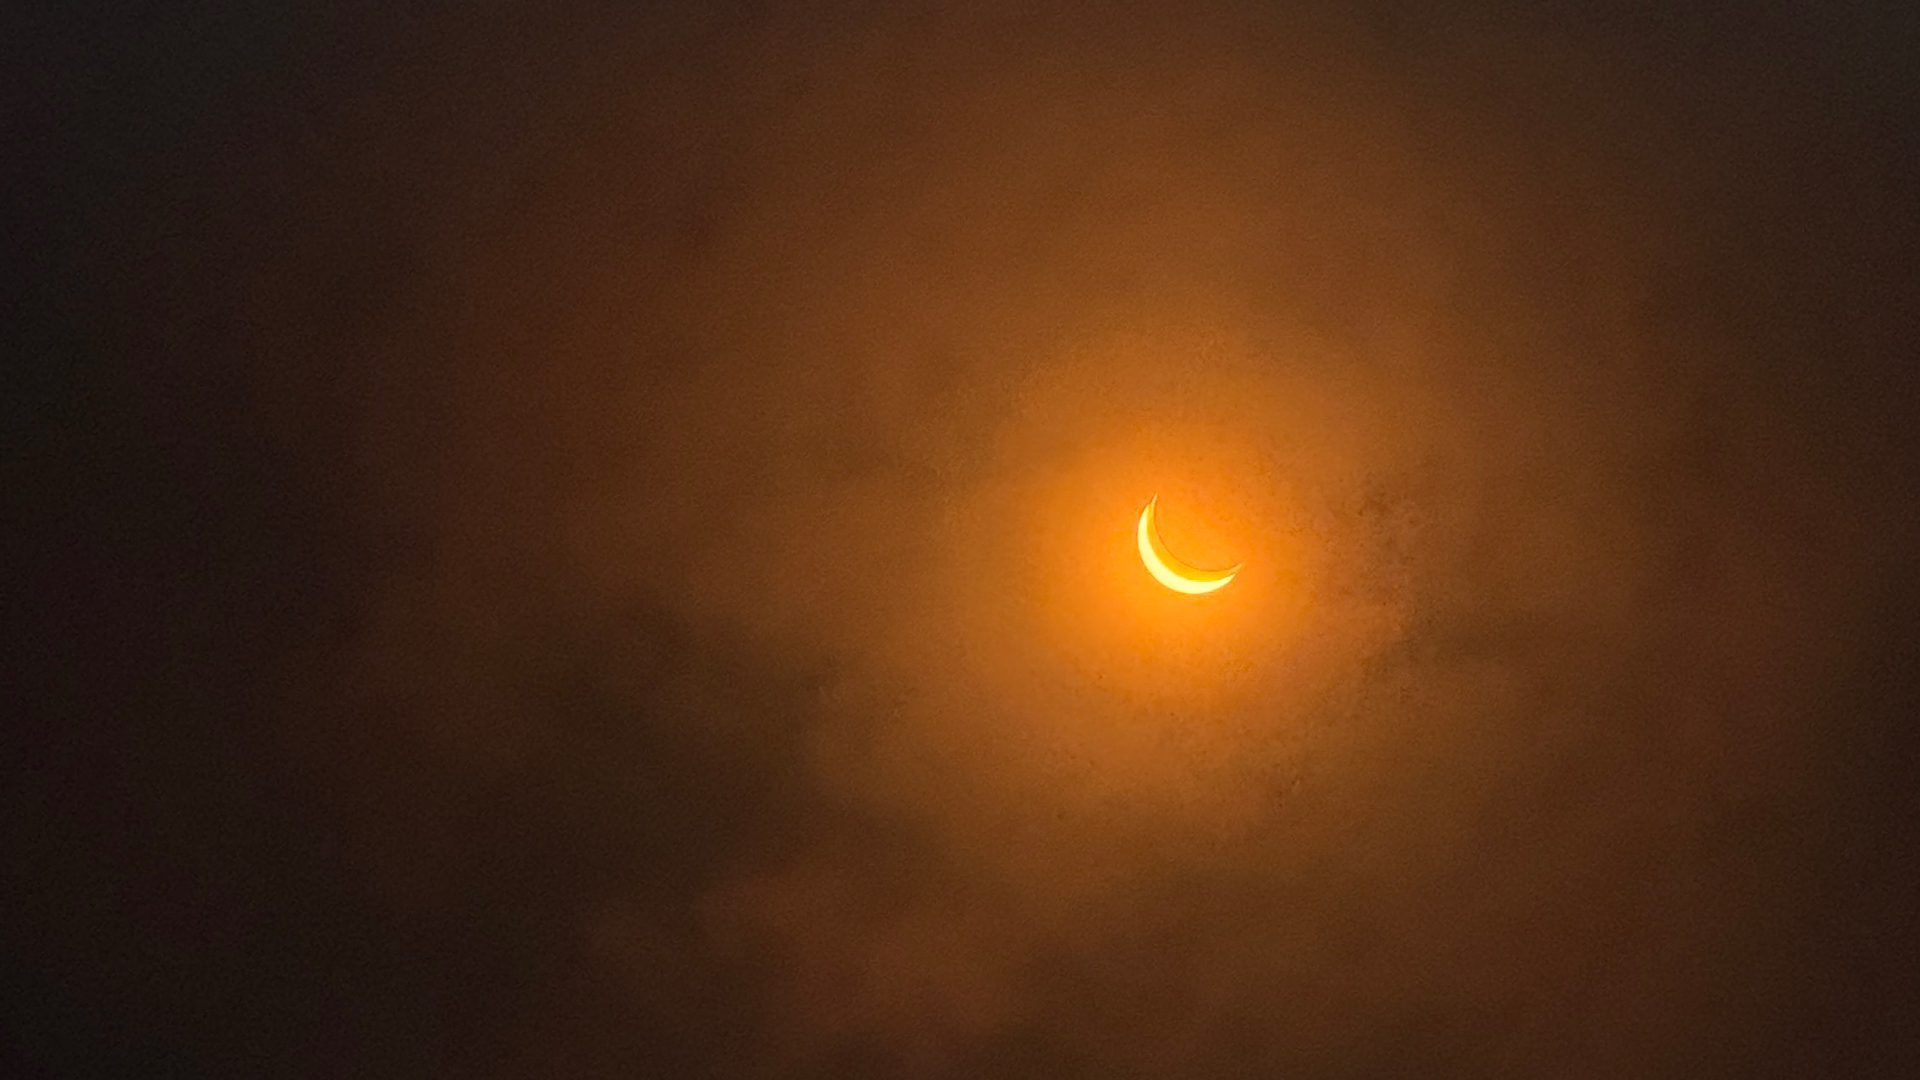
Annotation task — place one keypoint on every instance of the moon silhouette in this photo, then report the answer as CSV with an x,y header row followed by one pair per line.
x,y
1170,571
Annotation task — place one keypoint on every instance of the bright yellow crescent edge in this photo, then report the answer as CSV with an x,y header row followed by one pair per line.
x,y
1170,571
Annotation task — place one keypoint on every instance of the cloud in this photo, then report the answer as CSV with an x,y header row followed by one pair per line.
x,y
715,454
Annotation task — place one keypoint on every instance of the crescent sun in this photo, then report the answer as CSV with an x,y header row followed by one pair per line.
x,y
1170,571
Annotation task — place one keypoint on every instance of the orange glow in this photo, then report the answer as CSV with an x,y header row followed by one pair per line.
x,y
1170,571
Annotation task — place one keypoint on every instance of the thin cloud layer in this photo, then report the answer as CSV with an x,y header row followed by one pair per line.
x,y
695,627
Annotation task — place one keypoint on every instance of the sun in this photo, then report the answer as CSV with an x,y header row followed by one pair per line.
x,y
1170,571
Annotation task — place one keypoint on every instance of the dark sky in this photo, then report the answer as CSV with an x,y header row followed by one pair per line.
x,y
564,540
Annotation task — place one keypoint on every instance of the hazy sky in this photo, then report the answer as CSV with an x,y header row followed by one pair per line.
x,y
559,541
